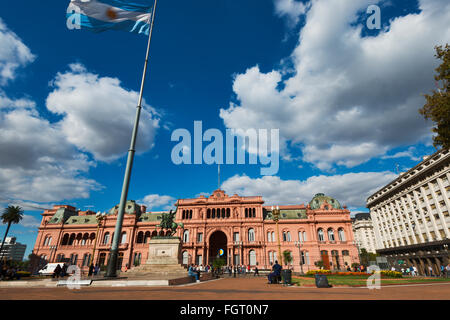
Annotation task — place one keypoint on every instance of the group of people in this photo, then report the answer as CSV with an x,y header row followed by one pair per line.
x,y
8,272
412,271
93,270
195,270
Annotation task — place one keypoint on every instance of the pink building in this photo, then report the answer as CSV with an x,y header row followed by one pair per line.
x,y
238,229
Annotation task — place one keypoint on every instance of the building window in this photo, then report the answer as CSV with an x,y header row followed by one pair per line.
x,y
106,238
199,237
208,213
137,259
320,235
331,235
269,238
307,257
86,259
124,237
304,236
185,258
300,237
273,236
236,236
284,236
251,235
73,259
252,257
186,236
271,257
341,234
288,235
228,212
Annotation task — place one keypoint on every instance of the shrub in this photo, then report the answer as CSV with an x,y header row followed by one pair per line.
x,y
391,274
23,273
313,272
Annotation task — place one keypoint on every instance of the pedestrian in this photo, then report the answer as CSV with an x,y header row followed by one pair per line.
x,y
192,273
234,271
248,268
91,269
442,271
415,271
430,270
64,270
57,271
256,271
96,269
447,269
275,273
229,271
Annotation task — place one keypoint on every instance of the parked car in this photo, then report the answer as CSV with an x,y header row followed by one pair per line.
x,y
50,268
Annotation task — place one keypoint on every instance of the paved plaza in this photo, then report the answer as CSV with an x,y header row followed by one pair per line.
x,y
233,289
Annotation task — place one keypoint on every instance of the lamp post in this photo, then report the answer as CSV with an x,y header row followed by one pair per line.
x,y
100,216
276,218
298,244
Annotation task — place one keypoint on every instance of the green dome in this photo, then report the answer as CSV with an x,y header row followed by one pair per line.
x,y
320,198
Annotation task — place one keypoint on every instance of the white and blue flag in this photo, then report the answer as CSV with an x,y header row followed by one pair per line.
x,y
101,15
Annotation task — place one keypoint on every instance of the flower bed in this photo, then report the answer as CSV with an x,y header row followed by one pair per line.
x,y
384,273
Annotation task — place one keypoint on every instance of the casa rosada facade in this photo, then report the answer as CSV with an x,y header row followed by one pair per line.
x,y
240,230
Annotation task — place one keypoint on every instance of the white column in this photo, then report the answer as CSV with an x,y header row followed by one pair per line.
x,y
438,209
392,242
394,221
413,214
377,229
430,211
400,212
422,215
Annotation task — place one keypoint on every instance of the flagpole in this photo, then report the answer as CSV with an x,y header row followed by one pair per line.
x,y
114,252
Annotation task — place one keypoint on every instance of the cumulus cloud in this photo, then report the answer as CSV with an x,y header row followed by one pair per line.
x,y
13,54
351,189
158,202
99,113
291,9
351,98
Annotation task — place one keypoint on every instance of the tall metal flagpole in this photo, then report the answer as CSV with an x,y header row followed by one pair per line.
x,y
112,263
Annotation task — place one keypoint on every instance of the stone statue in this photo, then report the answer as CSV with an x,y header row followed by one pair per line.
x,y
167,222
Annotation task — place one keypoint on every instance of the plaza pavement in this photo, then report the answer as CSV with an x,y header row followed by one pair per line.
x,y
233,289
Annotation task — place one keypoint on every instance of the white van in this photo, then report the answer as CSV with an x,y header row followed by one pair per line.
x,y
50,268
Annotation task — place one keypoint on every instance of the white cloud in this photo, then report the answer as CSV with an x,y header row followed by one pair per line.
x,y
30,222
99,113
290,9
351,189
404,154
13,54
158,202
351,98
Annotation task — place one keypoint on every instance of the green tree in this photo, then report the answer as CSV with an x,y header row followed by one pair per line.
x,y
437,107
319,264
287,257
10,215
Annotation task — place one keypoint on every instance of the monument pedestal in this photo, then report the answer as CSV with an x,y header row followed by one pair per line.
x,y
164,260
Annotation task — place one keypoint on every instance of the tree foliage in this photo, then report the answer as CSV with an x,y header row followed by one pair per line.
x,y
437,107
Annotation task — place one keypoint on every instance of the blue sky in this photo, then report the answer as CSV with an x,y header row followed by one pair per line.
x,y
345,100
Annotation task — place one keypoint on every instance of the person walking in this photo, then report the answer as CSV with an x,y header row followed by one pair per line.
x,y
430,270
57,271
415,273
96,269
447,269
91,269
256,271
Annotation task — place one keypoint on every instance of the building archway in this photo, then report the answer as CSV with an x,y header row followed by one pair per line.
x,y
217,240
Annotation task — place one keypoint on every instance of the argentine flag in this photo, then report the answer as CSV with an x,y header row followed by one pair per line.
x,y
101,15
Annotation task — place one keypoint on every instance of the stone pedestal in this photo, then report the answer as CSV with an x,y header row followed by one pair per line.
x,y
164,260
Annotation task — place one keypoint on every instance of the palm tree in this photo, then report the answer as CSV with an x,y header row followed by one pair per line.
x,y
10,215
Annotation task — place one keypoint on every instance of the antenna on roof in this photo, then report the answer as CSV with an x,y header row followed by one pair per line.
x,y
396,166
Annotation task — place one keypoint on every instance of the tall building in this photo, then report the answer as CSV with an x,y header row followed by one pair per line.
x,y
411,215
12,250
363,232
241,230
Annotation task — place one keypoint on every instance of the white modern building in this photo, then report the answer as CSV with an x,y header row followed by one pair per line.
x,y
411,215
363,232
12,250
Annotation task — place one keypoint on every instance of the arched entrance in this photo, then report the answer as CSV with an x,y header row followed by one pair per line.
x,y
217,241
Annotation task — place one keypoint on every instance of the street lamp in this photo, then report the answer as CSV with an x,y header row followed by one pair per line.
x,y
276,218
100,216
298,244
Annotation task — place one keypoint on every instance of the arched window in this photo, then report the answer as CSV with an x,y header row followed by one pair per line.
x,y
273,236
186,236
254,212
154,233
271,257
106,238
72,239
228,212
300,237
251,235
147,237
137,259
246,212
341,234
183,215
218,213
65,239
304,236
252,257
269,238
284,236
124,237
60,257
223,212
85,239
190,214
185,258
307,257
320,235
331,234
288,236
208,213
213,213
140,237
